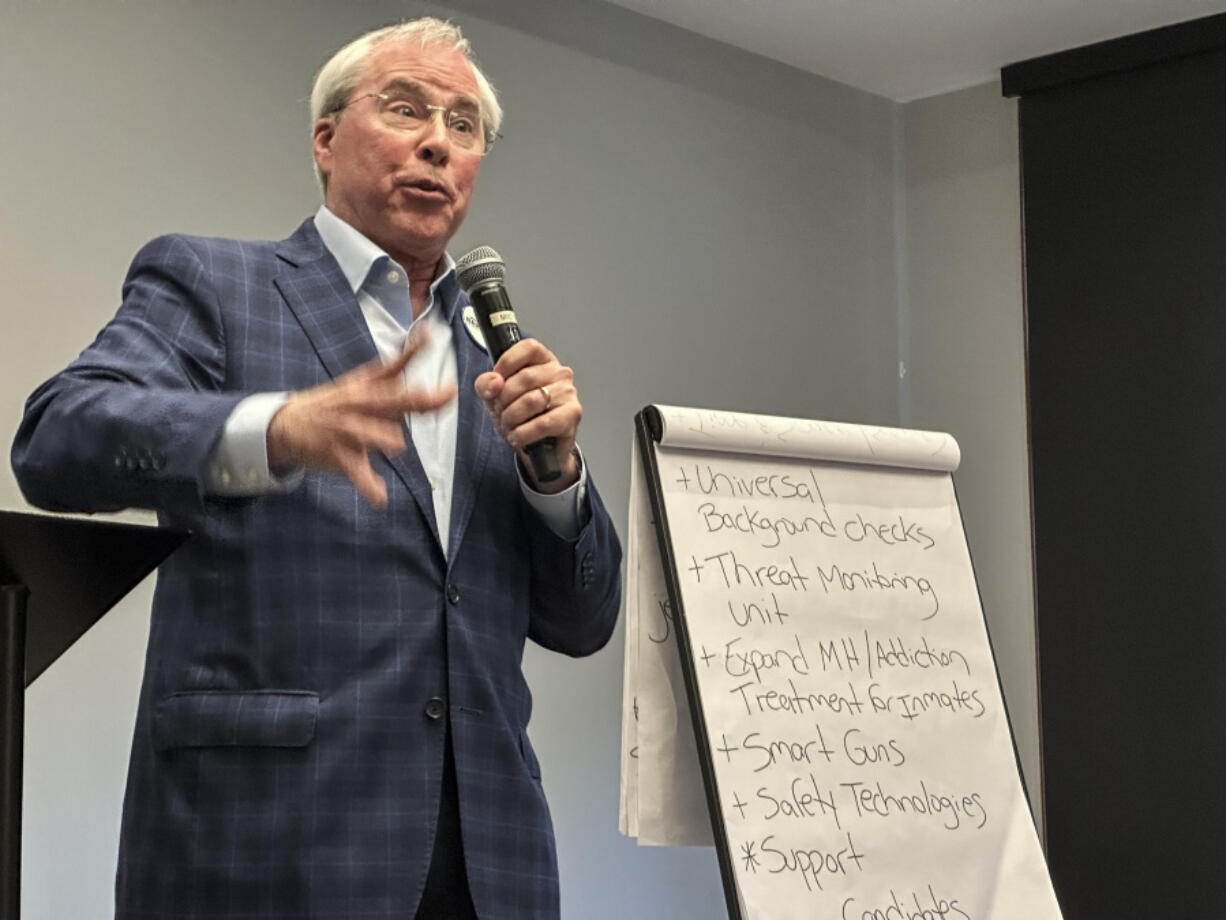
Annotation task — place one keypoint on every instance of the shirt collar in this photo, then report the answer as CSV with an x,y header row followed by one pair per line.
x,y
357,255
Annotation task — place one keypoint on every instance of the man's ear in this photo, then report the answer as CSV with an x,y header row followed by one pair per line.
x,y
321,144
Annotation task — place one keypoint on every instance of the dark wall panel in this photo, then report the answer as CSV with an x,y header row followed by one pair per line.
x,y
1124,203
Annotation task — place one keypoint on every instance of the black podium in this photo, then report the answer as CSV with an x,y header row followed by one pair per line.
x,y
58,576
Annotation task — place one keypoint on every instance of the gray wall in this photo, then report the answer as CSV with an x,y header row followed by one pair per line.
x,y
963,347
683,223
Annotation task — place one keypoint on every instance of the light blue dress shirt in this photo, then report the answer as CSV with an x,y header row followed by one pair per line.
x,y
238,464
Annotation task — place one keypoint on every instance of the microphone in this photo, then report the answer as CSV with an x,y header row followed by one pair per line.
x,y
480,273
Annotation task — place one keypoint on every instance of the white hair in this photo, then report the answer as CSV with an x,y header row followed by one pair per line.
x,y
336,80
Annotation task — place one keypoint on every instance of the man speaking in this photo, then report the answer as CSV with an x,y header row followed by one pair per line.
x,y
332,719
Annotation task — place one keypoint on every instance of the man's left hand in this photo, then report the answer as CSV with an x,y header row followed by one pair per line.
x,y
531,396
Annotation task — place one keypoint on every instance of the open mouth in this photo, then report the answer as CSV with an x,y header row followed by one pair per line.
x,y
429,188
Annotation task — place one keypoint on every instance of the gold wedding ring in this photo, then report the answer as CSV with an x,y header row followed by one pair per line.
x,y
548,398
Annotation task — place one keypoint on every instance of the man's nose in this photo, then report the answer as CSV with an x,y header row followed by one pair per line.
x,y
434,144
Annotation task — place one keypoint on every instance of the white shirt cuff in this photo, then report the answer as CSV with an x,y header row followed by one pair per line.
x,y
238,464
563,511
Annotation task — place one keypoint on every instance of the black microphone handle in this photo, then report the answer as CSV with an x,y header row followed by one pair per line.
x,y
544,457
500,331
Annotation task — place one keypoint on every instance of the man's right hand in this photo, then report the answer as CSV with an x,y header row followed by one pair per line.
x,y
335,425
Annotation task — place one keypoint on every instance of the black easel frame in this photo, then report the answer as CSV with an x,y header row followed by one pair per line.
x,y
649,429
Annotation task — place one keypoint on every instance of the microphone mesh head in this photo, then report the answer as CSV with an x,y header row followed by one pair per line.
x,y
478,267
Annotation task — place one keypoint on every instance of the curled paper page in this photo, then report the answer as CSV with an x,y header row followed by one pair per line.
x,y
775,436
662,799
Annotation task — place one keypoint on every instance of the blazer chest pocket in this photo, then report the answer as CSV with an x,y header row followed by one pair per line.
x,y
225,718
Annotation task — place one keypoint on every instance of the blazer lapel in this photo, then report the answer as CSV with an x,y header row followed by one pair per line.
x,y
317,292
475,435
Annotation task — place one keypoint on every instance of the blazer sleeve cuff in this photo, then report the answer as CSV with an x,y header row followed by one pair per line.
x,y
238,464
566,513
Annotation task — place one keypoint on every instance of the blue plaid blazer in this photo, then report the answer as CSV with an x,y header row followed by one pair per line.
x,y
307,652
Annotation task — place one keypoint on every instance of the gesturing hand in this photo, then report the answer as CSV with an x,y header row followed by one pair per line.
x,y
335,425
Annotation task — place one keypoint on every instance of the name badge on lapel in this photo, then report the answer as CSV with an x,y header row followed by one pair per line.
x,y
474,327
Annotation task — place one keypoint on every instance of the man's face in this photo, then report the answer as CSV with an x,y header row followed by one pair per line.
x,y
407,191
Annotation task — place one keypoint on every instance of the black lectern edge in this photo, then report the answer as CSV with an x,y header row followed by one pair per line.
x,y
14,601
12,732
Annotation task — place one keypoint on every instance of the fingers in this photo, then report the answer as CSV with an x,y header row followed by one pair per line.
x,y
534,415
378,389
356,434
537,392
488,386
414,342
334,426
420,399
525,368
369,484
531,396
343,444
561,423
522,354
394,403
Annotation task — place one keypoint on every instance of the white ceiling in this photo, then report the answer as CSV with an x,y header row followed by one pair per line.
x,y
909,49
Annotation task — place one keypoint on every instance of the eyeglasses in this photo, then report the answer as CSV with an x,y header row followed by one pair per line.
x,y
408,113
